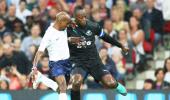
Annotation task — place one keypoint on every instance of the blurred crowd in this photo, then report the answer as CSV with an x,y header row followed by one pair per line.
x,y
141,25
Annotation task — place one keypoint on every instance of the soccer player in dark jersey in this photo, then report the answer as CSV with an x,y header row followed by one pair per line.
x,y
84,55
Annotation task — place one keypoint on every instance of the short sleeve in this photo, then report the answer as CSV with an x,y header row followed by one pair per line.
x,y
44,42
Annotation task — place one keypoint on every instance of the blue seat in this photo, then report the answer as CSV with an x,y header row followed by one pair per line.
x,y
129,96
5,96
52,96
154,96
94,96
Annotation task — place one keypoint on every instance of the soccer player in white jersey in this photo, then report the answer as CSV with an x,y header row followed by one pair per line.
x,y
55,40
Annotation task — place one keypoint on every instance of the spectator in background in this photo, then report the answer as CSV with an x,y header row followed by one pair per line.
x,y
144,23
95,4
88,10
17,44
4,80
138,4
123,38
77,3
19,31
160,83
22,79
116,55
96,17
156,21
11,18
137,36
108,28
52,4
121,5
167,69
12,57
4,85
52,15
148,84
44,66
107,61
36,18
14,2
7,38
3,28
63,6
3,8
42,5
104,11
159,4
22,12
33,39
166,10
118,19
32,49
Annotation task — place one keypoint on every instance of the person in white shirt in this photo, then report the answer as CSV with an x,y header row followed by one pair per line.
x,y
56,42
22,12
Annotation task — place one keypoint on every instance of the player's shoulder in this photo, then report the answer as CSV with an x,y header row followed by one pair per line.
x,y
92,24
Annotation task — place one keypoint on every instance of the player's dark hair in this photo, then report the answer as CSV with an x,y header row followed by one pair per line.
x,y
76,10
158,70
149,81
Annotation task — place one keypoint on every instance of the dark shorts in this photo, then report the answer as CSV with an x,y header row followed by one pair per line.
x,y
95,68
61,67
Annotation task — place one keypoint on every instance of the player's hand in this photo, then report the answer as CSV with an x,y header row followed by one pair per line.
x,y
125,50
74,40
34,70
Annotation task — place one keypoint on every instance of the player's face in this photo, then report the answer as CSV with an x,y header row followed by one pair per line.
x,y
81,18
64,24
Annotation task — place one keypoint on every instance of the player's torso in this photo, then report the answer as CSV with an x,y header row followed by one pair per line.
x,y
58,45
84,49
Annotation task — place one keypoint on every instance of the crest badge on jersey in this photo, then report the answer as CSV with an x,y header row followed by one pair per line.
x,y
88,33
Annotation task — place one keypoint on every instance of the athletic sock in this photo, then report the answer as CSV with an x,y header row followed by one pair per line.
x,y
75,95
62,96
49,83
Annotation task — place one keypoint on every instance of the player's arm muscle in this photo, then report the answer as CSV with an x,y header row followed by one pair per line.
x,y
37,58
111,40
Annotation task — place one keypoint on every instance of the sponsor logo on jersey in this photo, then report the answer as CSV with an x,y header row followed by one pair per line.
x,y
88,33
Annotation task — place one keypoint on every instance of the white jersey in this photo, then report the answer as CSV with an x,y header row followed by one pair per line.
x,y
56,43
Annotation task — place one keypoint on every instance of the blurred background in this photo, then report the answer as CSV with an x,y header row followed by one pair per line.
x,y
141,25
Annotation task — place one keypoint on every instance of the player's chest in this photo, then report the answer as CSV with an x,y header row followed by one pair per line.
x,y
58,38
86,33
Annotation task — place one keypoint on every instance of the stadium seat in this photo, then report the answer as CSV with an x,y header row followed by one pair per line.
x,y
139,84
51,96
159,64
150,74
94,96
129,96
154,96
5,96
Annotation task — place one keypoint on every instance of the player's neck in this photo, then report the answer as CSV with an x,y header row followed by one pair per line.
x,y
56,26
